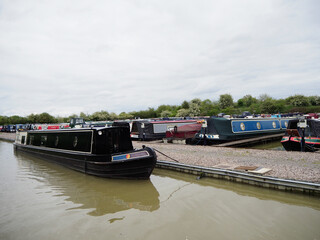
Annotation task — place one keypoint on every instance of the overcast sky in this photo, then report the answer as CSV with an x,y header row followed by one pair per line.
x,y
65,57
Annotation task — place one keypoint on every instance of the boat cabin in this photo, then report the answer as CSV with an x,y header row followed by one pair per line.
x,y
89,140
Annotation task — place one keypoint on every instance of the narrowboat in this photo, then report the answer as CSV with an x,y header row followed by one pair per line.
x,y
185,132
302,135
218,130
155,129
102,152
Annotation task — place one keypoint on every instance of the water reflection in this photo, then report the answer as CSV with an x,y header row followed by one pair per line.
x,y
102,196
246,190
275,145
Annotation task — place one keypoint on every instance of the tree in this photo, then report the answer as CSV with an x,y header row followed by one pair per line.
x,y
264,97
162,108
206,107
3,120
84,116
150,113
46,118
33,118
194,109
182,112
73,116
185,104
62,119
240,102
247,101
100,116
298,101
314,100
112,116
165,114
268,106
196,101
15,119
124,115
225,101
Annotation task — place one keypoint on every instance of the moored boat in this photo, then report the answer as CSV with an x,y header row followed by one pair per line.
x,y
219,130
302,135
185,132
102,152
155,129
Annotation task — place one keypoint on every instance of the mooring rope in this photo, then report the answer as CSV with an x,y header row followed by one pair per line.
x,y
312,148
165,155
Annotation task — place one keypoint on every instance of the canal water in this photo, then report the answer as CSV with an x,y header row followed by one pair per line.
x,y
274,145
42,200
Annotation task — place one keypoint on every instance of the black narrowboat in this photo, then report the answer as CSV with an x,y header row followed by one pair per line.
x,y
102,152
302,135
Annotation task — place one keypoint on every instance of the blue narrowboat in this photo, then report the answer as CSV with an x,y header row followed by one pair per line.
x,y
219,129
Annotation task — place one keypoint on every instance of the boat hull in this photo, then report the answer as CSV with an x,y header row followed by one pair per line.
x,y
97,164
185,132
293,143
298,129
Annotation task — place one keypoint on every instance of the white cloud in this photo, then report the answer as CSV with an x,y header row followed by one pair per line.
x,y
65,57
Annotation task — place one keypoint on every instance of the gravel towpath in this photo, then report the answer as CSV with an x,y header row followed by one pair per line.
x,y
301,166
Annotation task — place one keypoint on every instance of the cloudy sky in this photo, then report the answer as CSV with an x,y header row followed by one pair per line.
x,y
65,57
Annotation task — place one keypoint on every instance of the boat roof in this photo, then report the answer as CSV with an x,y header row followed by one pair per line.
x,y
73,129
174,121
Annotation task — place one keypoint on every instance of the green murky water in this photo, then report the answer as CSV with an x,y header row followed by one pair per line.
x,y
275,145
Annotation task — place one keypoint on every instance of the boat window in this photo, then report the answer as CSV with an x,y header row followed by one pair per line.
x,y
31,139
75,141
43,140
23,139
307,131
134,127
259,125
56,141
109,142
79,121
116,142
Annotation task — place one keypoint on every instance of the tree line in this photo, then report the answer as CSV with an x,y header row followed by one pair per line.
x,y
264,104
